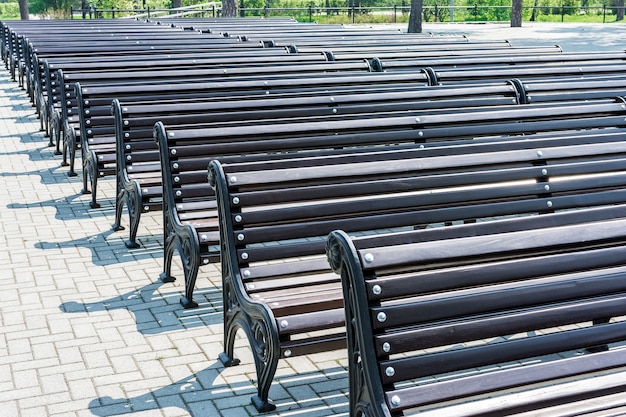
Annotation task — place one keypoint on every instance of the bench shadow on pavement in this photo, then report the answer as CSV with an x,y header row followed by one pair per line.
x,y
197,392
156,311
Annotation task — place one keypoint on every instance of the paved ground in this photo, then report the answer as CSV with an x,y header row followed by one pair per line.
x,y
87,329
572,37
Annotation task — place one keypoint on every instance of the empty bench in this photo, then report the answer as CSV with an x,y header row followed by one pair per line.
x,y
274,215
139,171
498,316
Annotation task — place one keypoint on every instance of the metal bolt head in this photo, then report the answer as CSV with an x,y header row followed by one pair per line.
x,y
178,193
381,317
544,172
284,324
238,218
175,165
539,154
240,237
386,347
376,289
233,180
244,256
173,152
549,204
368,258
390,371
395,400
287,353
236,200
546,187
247,273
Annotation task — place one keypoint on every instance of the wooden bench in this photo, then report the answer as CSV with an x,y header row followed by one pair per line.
x,y
274,215
504,316
46,86
139,171
185,149
98,154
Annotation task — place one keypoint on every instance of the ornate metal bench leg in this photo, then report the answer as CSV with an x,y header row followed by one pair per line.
x,y
55,132
94,185
86,171
230,331
266,355
134,212
72,148
119,207
191,265
168,254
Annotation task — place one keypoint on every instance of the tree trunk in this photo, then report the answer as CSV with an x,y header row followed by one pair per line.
x,y
516,14
619,12
415,17
23,9
229,8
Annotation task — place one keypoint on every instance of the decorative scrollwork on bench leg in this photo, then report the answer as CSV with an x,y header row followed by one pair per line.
x,y
232,324
188,250
94,174
169,246
133,202
120,200
262,333
266,355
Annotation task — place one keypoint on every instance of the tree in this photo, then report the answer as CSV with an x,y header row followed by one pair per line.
x,y
229,8
176,4
619,12
415,16
516,14
23,9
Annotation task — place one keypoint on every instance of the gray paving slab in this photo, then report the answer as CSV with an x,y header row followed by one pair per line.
x,y
86,329
571,37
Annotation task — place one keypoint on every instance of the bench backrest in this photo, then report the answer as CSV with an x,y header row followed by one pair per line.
x,y
185,151
439,316
275,215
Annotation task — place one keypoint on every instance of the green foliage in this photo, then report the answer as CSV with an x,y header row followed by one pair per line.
x,y
9,10
338,11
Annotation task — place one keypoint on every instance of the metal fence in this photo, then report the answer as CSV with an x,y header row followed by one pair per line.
x,y
373,14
